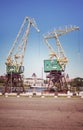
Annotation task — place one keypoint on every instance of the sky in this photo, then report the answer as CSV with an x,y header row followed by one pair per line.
x,y
48,14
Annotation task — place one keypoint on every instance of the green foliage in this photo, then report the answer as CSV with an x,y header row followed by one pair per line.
x,y
77,82
2,80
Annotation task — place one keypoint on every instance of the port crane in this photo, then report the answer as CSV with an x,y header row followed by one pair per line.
x,y
14,61
58,60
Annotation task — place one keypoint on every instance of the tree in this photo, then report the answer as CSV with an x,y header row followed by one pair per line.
x,y
77,82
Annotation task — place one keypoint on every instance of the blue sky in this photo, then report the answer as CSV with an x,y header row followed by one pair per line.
x,y
48,14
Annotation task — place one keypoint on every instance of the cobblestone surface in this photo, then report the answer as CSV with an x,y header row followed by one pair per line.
x,y
25,113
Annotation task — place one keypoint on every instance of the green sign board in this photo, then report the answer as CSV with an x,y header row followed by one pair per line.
x,y
14,69
50,65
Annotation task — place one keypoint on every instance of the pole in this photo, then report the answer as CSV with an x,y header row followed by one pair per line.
x,y
11,81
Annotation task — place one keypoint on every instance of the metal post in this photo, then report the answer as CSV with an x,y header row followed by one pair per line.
x,y
11,70
11,81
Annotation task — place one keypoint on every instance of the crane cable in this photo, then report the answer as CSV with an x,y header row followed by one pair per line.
x,y
78,44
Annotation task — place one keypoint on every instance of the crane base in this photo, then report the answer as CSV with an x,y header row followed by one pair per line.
x,y
57,81
14,83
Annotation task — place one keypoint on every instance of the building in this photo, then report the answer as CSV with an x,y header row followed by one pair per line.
x,y
34,81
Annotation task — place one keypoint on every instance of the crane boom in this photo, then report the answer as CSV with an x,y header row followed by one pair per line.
x,y
60,31
16,54
60,55
14,44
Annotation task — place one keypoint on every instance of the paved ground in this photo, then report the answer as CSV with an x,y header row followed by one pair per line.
x,y
25,113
